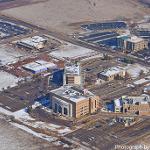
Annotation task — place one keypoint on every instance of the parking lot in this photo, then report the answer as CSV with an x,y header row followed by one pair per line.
x,y
24,95
101,38
144,54
9,29
113,89
104,25
106,136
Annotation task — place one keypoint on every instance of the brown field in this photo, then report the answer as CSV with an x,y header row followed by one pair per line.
x,y
16,3
58,15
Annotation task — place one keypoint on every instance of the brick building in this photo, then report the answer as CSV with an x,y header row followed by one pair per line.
x,y
139,105
73,102
133,105
112,73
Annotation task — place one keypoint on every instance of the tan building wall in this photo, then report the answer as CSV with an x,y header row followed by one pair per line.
x,y
87,106
139,109
77,80
76,110
136,46
94,104
112,77
82,108
72,79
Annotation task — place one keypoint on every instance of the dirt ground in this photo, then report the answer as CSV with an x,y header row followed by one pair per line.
x,y
58,15
6,4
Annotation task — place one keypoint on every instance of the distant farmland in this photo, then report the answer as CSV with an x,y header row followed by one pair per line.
x,y
59,15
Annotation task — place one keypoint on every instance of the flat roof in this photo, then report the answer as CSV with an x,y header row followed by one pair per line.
x,y
8,55
72,94
32,41
39,65
7,80
144,26
72,69
135,39
111,71
143,99
72,52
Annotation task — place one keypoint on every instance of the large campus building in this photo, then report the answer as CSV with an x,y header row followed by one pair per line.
x,y
39,66
73,102
143,30
112,73
133,43
72,74
35,42
82,72
136,44
134,105
139,105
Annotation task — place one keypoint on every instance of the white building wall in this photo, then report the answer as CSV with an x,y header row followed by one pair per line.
x,y
63,105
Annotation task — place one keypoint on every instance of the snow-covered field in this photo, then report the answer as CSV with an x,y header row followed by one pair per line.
x,y
72,51
14,138
7,80
28,122
135,70
40,135
9,55
25,118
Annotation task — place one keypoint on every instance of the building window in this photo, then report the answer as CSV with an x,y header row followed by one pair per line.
x,y
60,109
81,108
81,114
65,111
92,105
95,104
55,110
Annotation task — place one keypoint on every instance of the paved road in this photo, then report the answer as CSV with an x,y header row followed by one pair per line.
x,y
67,38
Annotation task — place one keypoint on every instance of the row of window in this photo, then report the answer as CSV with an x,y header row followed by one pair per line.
x,y
58,109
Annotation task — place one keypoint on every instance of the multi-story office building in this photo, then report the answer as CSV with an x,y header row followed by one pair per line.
x,y
134,105
132,43
72,74
135,44
112,73
139,105
73,102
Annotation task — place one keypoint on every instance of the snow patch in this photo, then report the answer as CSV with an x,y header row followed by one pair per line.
x,y
22,115
40,135
135,70
64,131
5,112
7,80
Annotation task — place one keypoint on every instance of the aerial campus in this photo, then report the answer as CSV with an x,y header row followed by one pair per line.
x,y
74,74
